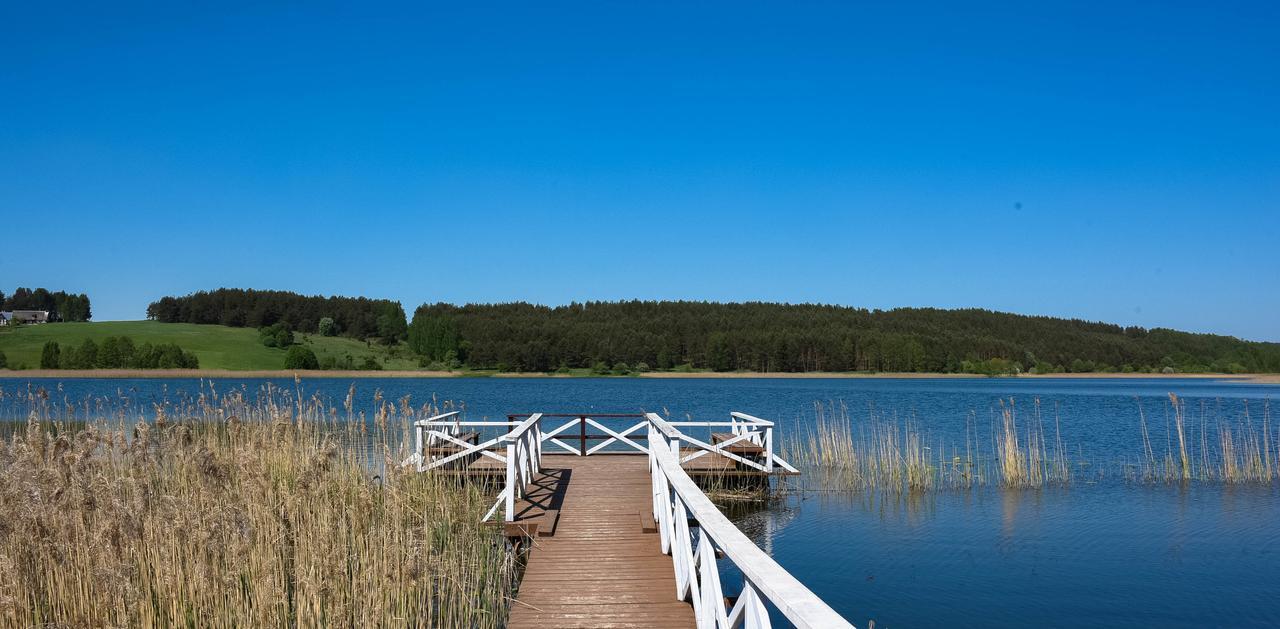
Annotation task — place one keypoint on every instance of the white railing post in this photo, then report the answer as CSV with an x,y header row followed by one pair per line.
x,y
418,451
511,481
768,449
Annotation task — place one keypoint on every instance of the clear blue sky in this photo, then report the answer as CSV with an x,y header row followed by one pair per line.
x,y
1110,161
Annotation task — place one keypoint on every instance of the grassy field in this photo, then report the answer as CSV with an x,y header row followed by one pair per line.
x,y
217,347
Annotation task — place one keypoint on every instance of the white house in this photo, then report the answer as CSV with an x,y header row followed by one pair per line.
x,y
26,317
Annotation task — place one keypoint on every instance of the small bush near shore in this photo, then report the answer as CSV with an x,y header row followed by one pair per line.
x,y
299,357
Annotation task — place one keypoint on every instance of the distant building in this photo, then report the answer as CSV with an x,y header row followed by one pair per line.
x,y
25,317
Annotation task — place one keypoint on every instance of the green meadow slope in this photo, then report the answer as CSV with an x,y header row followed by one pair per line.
x,y
217,347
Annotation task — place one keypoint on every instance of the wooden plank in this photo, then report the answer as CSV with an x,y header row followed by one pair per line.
x,y
550,518
647,522
599,569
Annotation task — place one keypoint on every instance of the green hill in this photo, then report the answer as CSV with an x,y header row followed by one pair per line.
x,y
217,347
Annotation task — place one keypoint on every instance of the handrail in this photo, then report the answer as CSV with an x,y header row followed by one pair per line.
x,y
751,419
524,463
663,425
676,499
520,428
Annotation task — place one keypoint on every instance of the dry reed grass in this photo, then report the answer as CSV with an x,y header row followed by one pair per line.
x,y
1228,452
238,513
887,453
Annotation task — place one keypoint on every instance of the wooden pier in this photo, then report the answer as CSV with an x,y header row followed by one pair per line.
x,y
598,567
618,532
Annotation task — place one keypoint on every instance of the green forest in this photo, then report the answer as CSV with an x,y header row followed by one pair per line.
x,y
631,336
353,317
60,305
770,337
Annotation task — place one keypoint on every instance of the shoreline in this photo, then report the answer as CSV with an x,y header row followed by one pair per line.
x,y
72,374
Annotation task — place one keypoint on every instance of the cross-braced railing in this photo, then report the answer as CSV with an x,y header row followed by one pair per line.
x,y
745,429
524,462
439,442
677,501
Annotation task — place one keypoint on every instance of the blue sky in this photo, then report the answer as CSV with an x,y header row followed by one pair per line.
x,y
1109,161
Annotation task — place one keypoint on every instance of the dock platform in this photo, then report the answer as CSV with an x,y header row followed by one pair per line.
x,y
618,532
598,567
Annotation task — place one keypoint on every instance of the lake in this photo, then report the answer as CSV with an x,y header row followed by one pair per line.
x,y
1101,551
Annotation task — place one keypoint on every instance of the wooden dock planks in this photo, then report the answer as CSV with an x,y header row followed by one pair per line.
x,y
599,569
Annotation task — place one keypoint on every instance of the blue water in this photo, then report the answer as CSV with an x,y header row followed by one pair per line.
x,y
1102,552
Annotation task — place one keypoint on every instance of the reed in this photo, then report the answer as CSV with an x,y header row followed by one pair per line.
x,y
1179,409
1241,451
228,512
884,452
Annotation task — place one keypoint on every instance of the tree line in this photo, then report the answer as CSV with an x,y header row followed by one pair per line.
x,y
62,306
116,352
771,337
355,317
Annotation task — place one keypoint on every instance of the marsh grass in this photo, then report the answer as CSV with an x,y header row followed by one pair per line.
x,y
226,512
881,453
1226,451
886,452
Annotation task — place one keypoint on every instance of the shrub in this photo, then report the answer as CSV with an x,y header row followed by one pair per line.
x,y
642,367
51,356
276,335
4,361
600,368
370,364
300,357
327,327
621,369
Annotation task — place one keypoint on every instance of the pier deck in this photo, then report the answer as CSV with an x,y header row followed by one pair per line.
x,y
597,568
618,532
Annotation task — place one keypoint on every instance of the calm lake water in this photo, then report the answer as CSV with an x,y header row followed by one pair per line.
x,y
1101,552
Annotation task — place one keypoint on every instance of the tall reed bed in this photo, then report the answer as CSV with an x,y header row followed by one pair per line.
x,y
888,452
884,452
284,511
1204,444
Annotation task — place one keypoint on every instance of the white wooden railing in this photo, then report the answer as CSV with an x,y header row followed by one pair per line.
x,y
519,449
677,500
524,462
745,429
438,443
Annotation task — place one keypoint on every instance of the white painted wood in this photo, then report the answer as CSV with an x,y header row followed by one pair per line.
x,y
437,418
796,602
768,449
567,425
567,448
483,448
521,427
617,436
524,460
751,419
509,489
745,436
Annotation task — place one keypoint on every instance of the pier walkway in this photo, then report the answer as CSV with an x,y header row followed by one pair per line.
x,y
619,533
